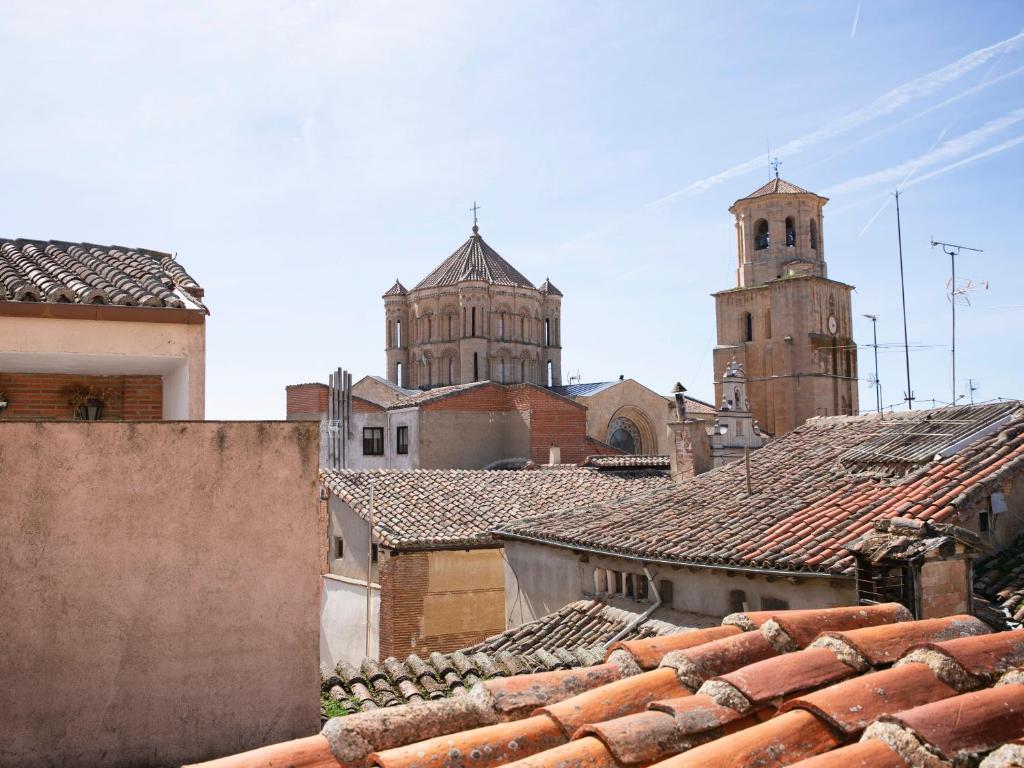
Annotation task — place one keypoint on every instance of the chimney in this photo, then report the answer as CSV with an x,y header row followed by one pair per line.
x,y
690,452
554,455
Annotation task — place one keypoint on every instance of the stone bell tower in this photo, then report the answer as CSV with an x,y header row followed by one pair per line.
x,y
786,324
735,430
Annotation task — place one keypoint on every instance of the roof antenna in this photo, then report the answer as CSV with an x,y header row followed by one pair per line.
x,y
775,163
474,209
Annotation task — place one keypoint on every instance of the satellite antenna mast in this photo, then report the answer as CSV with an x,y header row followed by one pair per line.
x,y
972,388
874,377
953,251
909,394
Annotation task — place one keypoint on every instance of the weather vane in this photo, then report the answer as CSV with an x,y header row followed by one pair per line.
x,y
474,209
775,163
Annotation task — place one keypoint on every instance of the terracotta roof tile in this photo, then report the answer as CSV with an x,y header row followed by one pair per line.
x,y
815,490
627,460
864,754
474,260
885,644
650,651
582,753
777,186
804,626
56,272
787,674
987,656
427,508
1001,579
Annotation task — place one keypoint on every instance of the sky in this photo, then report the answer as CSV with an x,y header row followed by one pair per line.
x,y
299,156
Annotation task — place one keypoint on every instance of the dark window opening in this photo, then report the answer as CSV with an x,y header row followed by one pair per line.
x,y
984,522
373,553
885,583
748,327
472,321
665,592
790,232
476,367
762,239
630,582
402,440
737,601
373,441
618,582
547,333
642,589
339,548
774,604
814,235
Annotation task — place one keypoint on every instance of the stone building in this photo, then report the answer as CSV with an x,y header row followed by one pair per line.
x,y
785,321
735,432
99,333
474,318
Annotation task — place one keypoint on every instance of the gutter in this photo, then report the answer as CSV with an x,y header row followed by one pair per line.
x,y
681,563
643,616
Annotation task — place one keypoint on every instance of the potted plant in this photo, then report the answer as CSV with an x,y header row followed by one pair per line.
x,y
87,401
3,400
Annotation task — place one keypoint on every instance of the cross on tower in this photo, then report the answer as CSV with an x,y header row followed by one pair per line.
x,y
474,209
775,163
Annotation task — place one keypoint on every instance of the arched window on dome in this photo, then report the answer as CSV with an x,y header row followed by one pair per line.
x,y
472,321
762,238
790,232
547,332
814,235
398,375
398,333
551,374
747,327
476,367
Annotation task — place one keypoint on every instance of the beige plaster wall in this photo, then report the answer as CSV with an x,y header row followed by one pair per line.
x,y
636,402
160,590
944,588
177,351
471,439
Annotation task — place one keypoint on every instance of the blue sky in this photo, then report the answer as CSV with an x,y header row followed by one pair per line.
x,y
300,156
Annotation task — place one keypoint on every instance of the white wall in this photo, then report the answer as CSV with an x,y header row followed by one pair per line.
x,y
390,421
343,621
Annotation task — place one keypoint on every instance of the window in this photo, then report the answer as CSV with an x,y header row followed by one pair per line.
x,y
402,440
451,370
774,604
768,325
398,333
641,587
472,321
398,375
339,548
984,521
665,589
501,326
630,581
814,235
547,332
373,553
761,236
790,232
618,582
747,327
476,367
373,441
551,374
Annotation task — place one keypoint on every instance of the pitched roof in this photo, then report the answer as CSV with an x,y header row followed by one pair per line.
x,y
474,260
548,287
861,685
417,397
627,461
397,289
777,186
433,508
1000,578
585,389
815,490
82,273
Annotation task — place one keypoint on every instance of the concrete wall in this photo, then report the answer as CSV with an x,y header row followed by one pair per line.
x,y
343,621
174,351
540,579
355,531
160,590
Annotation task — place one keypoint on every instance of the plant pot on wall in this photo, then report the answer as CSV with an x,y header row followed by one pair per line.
x,y
90,410
87,402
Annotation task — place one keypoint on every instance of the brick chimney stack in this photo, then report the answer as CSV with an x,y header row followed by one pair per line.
x,y
691,450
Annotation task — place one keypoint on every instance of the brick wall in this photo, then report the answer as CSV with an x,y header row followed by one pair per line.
x,y
359,405
403,588
492,397
305,399
40,396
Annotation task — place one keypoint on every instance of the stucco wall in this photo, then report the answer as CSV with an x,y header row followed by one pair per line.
x,y
354,530
471,439
175,351
343,621
160,590
630,399
540,579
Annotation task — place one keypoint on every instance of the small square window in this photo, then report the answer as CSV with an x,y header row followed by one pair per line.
x,y
641,587
402,440
618,582
774,604
665,589
373,553
630,581
984,522
373,441
339,548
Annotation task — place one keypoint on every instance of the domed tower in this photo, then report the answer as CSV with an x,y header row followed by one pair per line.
x,y
786,323
474,318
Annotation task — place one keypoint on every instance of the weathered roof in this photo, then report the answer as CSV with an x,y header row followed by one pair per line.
x,y
1000,578
434,508
437,393
777,186
627,461
56,272
571,637
906,540
815,491
397,289
583,389
861,685
548,287
474,260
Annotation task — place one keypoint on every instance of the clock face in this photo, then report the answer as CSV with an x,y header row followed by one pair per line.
x,y
833,326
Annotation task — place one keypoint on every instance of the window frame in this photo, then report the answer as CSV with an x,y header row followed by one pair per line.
x,y
402,439
370,437
339,548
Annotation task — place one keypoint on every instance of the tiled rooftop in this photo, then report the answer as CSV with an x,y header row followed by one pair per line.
x,y
1000,578
777,186
569,638
857,686
807,502
57,272
429,508
474,260
627,461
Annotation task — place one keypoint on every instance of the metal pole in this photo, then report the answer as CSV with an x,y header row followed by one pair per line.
x,y
909,396
370,566
746,459
878,384
952,304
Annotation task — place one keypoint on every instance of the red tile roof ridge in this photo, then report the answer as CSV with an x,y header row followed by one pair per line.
x,y
883,645
583,753
645,737
959,728
970,662
774,678
649,652
803,626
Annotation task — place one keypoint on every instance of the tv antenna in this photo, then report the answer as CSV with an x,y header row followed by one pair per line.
x,y
955,295
873,379
908,396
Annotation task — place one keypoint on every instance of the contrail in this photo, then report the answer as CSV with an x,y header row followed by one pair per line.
x,y
856,18
883,105
945,151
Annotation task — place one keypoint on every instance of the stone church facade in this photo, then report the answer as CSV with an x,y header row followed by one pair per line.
x,y
474,318
785,322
